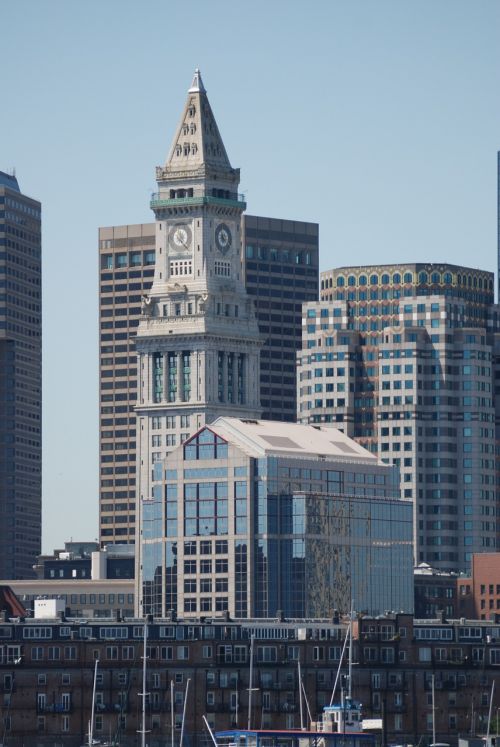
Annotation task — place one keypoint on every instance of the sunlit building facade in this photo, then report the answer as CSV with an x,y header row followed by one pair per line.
x,y
404,359
251,518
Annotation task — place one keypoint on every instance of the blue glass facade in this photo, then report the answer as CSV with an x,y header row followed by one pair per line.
x,y
253,535
326,537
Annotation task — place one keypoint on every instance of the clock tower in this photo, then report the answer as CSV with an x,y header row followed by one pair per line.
x,y
198,340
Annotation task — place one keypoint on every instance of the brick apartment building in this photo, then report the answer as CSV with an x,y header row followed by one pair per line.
x,y
47,669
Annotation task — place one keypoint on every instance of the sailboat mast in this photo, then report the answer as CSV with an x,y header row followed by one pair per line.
x,y
184,711
91,722
300,697
433,714
172,712
349,691
144,694
489,713
250,684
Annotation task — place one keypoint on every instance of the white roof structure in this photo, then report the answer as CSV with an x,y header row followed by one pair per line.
x,y
271,437
198,132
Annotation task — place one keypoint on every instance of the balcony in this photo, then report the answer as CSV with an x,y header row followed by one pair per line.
x,y
112,708
54,708
236,200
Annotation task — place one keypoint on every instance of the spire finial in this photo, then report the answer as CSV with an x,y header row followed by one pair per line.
x,y
197,84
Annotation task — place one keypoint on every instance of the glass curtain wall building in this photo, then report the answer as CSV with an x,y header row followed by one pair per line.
x,y
254,518
20,380
404,359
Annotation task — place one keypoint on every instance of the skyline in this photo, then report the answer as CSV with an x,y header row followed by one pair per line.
x,y
375,93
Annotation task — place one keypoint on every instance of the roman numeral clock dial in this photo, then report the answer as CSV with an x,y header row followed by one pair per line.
x,y
180,237
223,238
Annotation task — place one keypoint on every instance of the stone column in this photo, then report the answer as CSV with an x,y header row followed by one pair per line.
x,y
165,377
180,383
224,377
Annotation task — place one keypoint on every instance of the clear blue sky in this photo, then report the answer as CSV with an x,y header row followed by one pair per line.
x,y
380,119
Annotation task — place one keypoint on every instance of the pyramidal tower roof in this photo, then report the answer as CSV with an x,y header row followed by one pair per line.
x,y
197,145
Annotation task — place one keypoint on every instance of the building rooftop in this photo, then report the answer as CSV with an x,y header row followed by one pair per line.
x,y
428,266
9,180
274,438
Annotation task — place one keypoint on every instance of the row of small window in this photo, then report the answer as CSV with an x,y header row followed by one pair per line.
x,y
394,337
279,255
23,207
396,431
206,604
319,388
491,589
223,269
205,547
396,446
170,440
53,653
65,678
220,565
397,384
446,278
127,259
181,267
169,422
408,399
205,586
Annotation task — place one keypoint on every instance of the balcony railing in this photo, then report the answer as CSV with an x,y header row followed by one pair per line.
x,y
54,708
159,199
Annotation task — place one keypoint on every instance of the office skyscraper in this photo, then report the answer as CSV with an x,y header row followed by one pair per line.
x,y
498,227
280,271
20,380
403,359
127,259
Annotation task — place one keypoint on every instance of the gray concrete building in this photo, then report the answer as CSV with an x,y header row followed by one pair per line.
x,y
404,358
20,380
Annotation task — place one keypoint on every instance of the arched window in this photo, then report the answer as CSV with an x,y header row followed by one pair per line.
x,y
408,277
373,279
435,277
340,281
447,278
423,277
362,280
396,278
351,280
385,279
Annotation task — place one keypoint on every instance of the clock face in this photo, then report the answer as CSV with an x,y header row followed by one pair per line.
x,y
223,238
180,236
